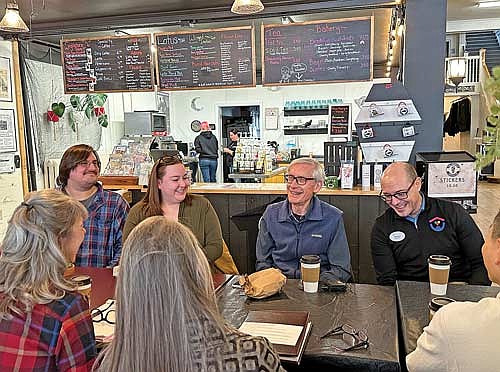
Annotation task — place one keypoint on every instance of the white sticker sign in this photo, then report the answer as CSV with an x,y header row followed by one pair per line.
x,y
451,180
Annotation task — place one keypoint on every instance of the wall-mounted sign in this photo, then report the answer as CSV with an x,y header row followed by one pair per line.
x,y
5,80
107,64
340,120
451,180
8,141
214,58
317,51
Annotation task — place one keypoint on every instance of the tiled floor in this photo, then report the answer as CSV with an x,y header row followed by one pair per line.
x,y
488,200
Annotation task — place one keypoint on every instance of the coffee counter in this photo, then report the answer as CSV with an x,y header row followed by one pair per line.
x,y
240,206
271,177
270,189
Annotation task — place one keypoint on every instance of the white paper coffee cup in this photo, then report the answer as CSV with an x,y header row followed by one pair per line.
x,y
439,271
310,269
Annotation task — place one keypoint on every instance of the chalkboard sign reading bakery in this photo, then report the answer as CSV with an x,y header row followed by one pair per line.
x,y
340,121
217,58
107,64
317,52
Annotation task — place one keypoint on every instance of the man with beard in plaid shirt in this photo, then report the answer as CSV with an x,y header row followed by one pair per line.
x,y
78,173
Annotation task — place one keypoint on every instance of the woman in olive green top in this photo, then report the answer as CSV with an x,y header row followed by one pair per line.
x,y
168,195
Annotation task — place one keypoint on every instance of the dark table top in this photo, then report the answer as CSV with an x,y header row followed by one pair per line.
x,y
368,307
413,304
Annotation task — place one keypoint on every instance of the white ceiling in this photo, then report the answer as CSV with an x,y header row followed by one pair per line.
x,y
466,9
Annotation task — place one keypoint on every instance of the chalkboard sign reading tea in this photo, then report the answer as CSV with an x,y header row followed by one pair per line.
x,y
317,52
107,64
216,58
340,121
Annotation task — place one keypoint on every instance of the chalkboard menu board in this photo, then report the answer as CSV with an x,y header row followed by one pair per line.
x,y
217,58
340,120
317,52
107,64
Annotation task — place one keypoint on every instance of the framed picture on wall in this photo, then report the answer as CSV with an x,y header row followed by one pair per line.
x,y
8,141
5,80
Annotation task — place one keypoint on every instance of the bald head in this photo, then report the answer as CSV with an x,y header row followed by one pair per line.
x,y
400,170
401,189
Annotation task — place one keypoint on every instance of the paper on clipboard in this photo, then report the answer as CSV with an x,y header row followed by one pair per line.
x,y
284,334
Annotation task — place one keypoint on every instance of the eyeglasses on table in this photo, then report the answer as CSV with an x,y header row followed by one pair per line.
x,y
104,313
352,338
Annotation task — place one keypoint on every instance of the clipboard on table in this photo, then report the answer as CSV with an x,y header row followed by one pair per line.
x,y
288,331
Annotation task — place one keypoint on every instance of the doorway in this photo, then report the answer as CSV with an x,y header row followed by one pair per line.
x,y
243,118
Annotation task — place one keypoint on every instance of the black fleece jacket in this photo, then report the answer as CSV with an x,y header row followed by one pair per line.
x,y
206,145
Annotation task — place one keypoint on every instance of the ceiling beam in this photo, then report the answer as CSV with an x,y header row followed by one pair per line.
x,y
216,14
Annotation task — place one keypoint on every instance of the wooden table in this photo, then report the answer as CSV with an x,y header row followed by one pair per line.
x,y
413,303
368,307
104,283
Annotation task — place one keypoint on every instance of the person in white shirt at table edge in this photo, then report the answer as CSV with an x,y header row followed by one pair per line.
x,y
453,341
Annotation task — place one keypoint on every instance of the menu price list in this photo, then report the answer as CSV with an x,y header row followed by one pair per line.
x,y
319,51
107,64
340,119
206,59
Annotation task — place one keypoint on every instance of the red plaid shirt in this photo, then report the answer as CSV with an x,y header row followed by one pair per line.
x,y
58,336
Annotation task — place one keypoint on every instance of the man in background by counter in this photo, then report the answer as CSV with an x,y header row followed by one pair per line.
x,y
415,227
303,225
78,173
207,146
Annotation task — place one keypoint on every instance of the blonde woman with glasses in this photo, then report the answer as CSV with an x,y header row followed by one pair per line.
x,y
167,317
44,324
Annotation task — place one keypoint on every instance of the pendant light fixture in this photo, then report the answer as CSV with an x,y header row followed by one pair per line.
x,y
247,6
12,21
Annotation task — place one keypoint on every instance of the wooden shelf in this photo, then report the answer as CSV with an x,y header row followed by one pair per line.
x,y
296,132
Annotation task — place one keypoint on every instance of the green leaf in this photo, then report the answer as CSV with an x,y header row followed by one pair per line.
x,y
58,108
89,111
72,121
75,101
103,120
98,99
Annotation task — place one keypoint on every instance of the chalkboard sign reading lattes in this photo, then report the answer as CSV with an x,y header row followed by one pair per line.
x,y
215,58
107,64
317,52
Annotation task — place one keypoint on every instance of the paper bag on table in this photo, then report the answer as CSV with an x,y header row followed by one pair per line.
x,y
262,284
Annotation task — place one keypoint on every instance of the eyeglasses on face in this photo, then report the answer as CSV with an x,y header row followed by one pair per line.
x,y
356,339
86,163
104,315
299,179
400,195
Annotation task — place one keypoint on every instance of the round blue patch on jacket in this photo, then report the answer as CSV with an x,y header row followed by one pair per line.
x,y
437,224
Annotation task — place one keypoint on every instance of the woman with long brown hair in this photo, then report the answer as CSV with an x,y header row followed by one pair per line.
x,y
168,196
167,318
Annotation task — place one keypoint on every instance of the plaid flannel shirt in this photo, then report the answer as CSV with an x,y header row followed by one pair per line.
x,y
102,245
58,336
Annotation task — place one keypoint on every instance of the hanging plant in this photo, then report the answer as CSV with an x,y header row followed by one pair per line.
x,y
91,104
491,139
